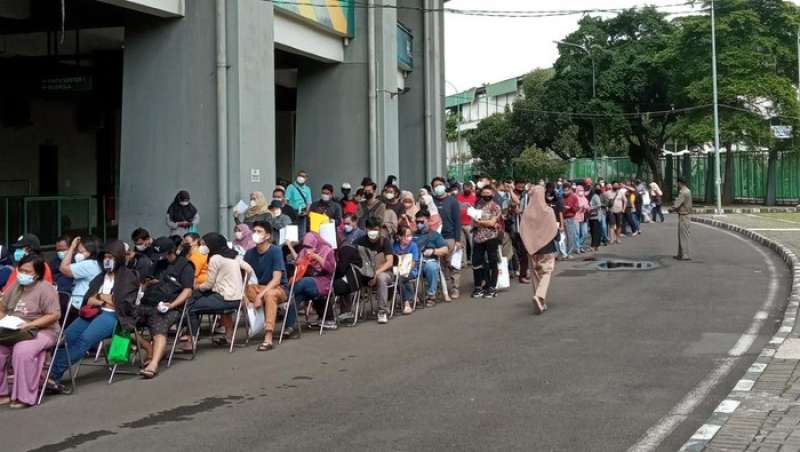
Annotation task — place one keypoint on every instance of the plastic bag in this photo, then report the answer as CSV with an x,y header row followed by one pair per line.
x,y
256,320
119,352
503,277
456,258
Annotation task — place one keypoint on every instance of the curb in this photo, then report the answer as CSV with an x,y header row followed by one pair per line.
x,y
727,407
712,210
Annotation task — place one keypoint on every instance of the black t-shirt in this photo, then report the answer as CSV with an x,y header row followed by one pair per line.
x,y
381,246
556,203
180,271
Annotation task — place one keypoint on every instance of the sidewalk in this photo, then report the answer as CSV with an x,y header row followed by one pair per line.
x,y
762,412
744,208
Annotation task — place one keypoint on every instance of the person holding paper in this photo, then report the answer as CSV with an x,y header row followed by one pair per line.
x,y
326,205
278,220
432,246
406,248
298,195
182,215
35,301
316,283
256,211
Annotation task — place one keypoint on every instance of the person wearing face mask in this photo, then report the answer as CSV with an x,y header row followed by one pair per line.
x,y
371,207
111,298
163,299
198,255
349,205
25,245
34,301
279,195
182,215
63,283
485,236
327,206
349,232
405,245
82,263
6,266
384,261
432,247
143,242
258,210
466,199
278,219
392,199
243,238
298,195
450,212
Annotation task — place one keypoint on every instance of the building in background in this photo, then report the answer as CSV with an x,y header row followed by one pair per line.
x,y
107,111
470,107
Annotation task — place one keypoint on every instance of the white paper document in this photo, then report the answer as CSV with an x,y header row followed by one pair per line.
x,y
11,322
328,232
240,207
289,234
474,213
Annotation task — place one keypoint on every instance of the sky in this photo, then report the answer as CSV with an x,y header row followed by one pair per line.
x,y
482,50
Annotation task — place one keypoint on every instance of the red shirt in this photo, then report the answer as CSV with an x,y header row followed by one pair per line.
x,y
571,206
349,206
466,201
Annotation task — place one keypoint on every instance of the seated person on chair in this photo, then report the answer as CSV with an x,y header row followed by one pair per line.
x,y
272,287
34,301
319,261
110,298
63,282
82,262
406,249
222,291
432,246
198,255
381,247
163,300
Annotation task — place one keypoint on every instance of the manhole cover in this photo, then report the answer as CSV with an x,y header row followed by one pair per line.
x,y
613,265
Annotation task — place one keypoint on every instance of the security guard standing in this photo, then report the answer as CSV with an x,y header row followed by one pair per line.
x,y
683,207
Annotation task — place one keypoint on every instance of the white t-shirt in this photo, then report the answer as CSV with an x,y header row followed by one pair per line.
x,y
108,286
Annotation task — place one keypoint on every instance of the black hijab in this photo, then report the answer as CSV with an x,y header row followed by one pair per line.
x,y
218,244
177,212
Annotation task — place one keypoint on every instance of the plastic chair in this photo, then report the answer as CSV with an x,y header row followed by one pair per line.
x,y
53,352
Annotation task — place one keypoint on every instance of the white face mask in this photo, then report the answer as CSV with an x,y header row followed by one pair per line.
x,y
389,196
348,228
252,203
439,190
184,203
373,235
276,212
325,197
481,184
301,180
203,250
239,235
79,258
141,247
258,238
108,265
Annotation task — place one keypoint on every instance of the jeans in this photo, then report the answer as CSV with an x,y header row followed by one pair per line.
x,y
572,235
596,231
521,254
208,303
583,235
79,337
407,288
430,272
484,263
304,290
602,218
657,212
630,220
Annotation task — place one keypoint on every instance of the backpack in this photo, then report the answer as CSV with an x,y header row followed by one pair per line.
x,y
167,288
367,268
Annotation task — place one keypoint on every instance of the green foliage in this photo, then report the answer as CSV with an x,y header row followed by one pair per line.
x,y
535,164
495,142
452,127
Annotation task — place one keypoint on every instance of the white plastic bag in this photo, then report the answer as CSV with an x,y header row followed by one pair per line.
x,y
256,320
455,259
503,277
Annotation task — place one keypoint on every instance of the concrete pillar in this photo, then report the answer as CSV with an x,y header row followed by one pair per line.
x,y
168,119
412,104
251,98
387,102
434,91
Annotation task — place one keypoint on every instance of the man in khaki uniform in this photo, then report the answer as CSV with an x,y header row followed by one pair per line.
x,y
683,207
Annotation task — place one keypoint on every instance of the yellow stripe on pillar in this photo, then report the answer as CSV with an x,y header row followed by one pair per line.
x,y
307,10
336,13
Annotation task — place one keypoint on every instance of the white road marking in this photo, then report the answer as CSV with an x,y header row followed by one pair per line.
x,y
727,406
656,434
744,385
706,432
774,229
762,217
757,368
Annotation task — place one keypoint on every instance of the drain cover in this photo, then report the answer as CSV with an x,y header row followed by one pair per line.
x,y
612,265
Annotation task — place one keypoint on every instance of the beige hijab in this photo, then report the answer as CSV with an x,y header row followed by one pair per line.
x,y
411,211
261,207
538,225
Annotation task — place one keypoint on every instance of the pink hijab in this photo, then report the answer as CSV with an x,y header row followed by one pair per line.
x,y
246,242
538,225
583,203
315,242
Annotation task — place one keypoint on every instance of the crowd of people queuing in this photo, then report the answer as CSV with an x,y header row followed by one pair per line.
x,y
386,240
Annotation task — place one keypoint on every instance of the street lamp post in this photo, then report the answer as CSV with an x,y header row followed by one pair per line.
x,y
587,49
459,157
717,170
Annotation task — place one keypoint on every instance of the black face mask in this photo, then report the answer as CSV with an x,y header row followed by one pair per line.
x,y
487,198
346,191
369,195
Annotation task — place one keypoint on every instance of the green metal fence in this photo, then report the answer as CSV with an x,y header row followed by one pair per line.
x,y
49,217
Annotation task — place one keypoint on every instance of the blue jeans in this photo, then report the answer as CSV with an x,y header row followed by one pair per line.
x,y
305,290
583,235
571,227
603,226
407,288
430,272
209,303
80,336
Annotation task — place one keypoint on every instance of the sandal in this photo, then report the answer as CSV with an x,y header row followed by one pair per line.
x,y
148,374
221,341
18,405
538,306
265,347
5,400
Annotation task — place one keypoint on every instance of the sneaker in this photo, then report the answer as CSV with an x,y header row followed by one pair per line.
x,y
636,233
346,316
524,280
382,317
477,293
490,293
330,325
455,294
407,308
430,302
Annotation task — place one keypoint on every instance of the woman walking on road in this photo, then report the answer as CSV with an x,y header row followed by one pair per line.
x,y
539,231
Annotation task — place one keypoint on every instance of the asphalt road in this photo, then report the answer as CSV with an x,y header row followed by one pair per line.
x,y
615,353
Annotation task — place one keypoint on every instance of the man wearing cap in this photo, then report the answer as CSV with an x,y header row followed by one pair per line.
x,y
26,244
683,207
163,300
279,220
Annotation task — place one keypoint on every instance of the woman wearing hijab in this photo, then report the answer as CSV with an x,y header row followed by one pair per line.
x,y
182,215
596,216
316,282
656,198
222,291
410,209
258,210
243,238
539,232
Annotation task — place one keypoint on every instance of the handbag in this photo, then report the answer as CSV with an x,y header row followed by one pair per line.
x,y
119,352
9,337
405,264
89,312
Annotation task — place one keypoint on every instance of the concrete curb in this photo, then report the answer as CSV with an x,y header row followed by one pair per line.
x,y
727,407
712,210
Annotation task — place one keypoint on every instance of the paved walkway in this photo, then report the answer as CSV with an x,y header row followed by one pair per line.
x,y
762,413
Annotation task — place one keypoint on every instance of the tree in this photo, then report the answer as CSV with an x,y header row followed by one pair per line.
x,y
495,142
534,164
453,121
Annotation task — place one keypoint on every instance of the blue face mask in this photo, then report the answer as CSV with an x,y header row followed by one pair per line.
x,y
24,279
19,254
61,254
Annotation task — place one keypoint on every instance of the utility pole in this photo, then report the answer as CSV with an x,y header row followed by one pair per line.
x,y
798,63
459,157
717,170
